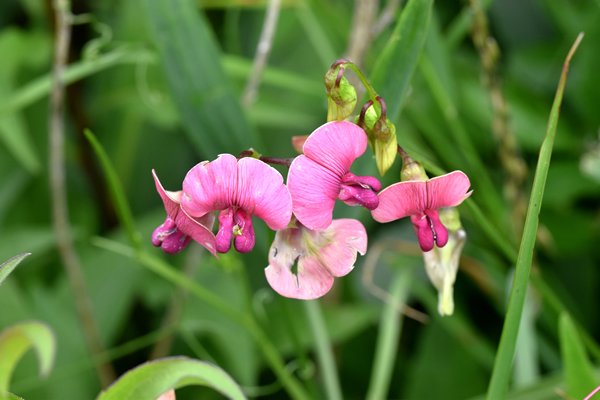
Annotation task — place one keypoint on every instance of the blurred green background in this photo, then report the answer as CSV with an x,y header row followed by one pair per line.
x,y
160,84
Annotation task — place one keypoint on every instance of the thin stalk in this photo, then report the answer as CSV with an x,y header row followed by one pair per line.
x,y
390,327
503,363
60,218
262,52
324,352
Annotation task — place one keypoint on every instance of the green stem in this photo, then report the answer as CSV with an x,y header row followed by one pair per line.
x,y
390,327
363,79
503,364
323,348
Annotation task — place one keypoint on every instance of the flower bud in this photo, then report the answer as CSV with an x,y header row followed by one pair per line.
x,y
382,136
341,95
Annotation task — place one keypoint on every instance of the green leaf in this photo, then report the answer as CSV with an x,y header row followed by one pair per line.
x,y
16,340
503,363
150,380
577,369
7,267
210,113
398,60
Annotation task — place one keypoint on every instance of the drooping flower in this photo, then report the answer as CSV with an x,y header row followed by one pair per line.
x,y
441,264
421,199
303,263
238,189
322,174
179,228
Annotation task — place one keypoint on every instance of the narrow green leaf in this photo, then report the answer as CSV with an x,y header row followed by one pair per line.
x,y
210,113
9,396
9,265
503,363
577,369
150,380
390,327
16,340
116,190
39,88
398,60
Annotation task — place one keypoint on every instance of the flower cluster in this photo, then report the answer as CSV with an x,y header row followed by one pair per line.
x,y
311,248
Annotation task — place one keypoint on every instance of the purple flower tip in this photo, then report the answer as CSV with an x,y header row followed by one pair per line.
x,y
169,238
359,191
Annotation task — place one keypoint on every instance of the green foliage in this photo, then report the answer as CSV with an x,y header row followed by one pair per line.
x,y
16,340
9,265
158,83
150,380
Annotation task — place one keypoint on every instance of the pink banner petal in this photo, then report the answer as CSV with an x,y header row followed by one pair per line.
x,y
400,200
336,145
260,191
210,186
170,199
314,190
447,190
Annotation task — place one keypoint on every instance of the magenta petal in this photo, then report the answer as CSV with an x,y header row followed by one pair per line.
x,y
198,229
335,145
447,190
225,233
400,200
260,191
170,199
210,186
314,190
440,231
339,255
423,231
244,233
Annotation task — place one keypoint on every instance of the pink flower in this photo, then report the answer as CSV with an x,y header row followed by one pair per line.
x,y
179,228
303,263
421,199
238,189
322,175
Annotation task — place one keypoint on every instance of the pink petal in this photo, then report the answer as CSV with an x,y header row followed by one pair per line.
x,y
210,186
311,282
314,190
339,255
400,200
336,145
447,190
170,199
198,229
260,191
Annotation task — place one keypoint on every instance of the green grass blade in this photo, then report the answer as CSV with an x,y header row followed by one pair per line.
x,y
9,265
398,60
577,369
39,88
211,115
390,327
323,349
116,191
503,363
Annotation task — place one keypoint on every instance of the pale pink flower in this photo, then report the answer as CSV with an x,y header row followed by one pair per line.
x,y
420,199
238,189
322,174
303,263
179,228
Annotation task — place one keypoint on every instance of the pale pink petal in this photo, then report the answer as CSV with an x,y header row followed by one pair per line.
x,y
170,199
447,190
169,395
260,191
336,145
210,186
400,200
314,190
348,236
311,282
